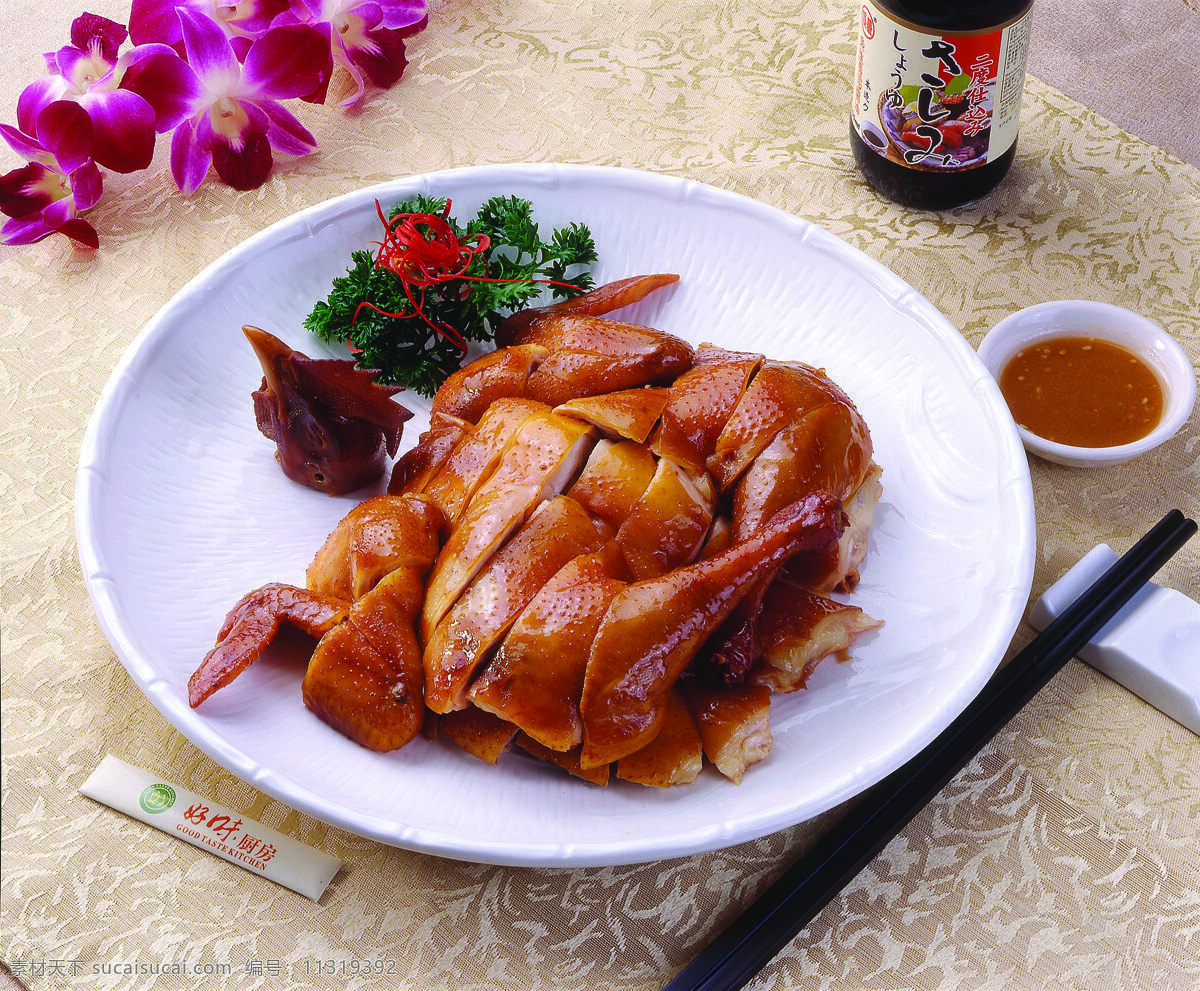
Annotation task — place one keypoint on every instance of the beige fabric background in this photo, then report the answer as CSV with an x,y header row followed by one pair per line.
x,y
1064,856
1138,64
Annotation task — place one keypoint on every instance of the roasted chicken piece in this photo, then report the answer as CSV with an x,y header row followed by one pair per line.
x,y
372,540
252,624
614,480
630,414
838,570
734,724
556,532
479,733
539,463
798,629
590,356
535,679
468,392
654,628
827,450
730,653
475,457
414,469
673,757
521,327
569,761
365,677
780,394
733,651
699,404
666,527
720,536
586,361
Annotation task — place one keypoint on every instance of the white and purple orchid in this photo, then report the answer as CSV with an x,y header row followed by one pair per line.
x,y
367,36
156,20
60,179
89,72
212,71
235,117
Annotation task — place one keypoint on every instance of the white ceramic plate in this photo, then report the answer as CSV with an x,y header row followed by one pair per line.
x,y
181,509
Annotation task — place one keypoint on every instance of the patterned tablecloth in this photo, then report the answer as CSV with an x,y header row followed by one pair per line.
x,y
1063,856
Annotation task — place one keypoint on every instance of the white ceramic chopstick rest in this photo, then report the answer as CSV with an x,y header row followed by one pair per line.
x,y
1152,646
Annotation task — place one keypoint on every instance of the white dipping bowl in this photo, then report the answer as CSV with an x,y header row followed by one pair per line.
x,y
1109,323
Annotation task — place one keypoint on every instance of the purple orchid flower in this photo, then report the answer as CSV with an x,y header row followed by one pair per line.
x,y
84,71
367,36
241,20
124,96
234,118
45,196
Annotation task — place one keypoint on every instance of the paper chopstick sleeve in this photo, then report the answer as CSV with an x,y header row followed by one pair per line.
x,y
203,823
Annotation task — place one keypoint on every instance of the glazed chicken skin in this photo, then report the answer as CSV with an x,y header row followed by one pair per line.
x,y
609,550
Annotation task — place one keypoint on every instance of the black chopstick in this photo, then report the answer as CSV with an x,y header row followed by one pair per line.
x,y
770,923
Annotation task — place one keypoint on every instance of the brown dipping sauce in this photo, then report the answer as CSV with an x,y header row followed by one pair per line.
x,y
1082,391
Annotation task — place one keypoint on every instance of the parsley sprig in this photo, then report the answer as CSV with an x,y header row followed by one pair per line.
x,y
405,348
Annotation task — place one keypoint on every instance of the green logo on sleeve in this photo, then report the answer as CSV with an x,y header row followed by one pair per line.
x,y
157,798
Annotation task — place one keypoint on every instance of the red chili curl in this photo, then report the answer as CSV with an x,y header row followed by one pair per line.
x,y
422,250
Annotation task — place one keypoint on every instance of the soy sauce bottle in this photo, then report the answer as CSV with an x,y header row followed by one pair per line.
x,y
937,97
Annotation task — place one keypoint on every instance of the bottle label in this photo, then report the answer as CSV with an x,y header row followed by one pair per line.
x,y
938,102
